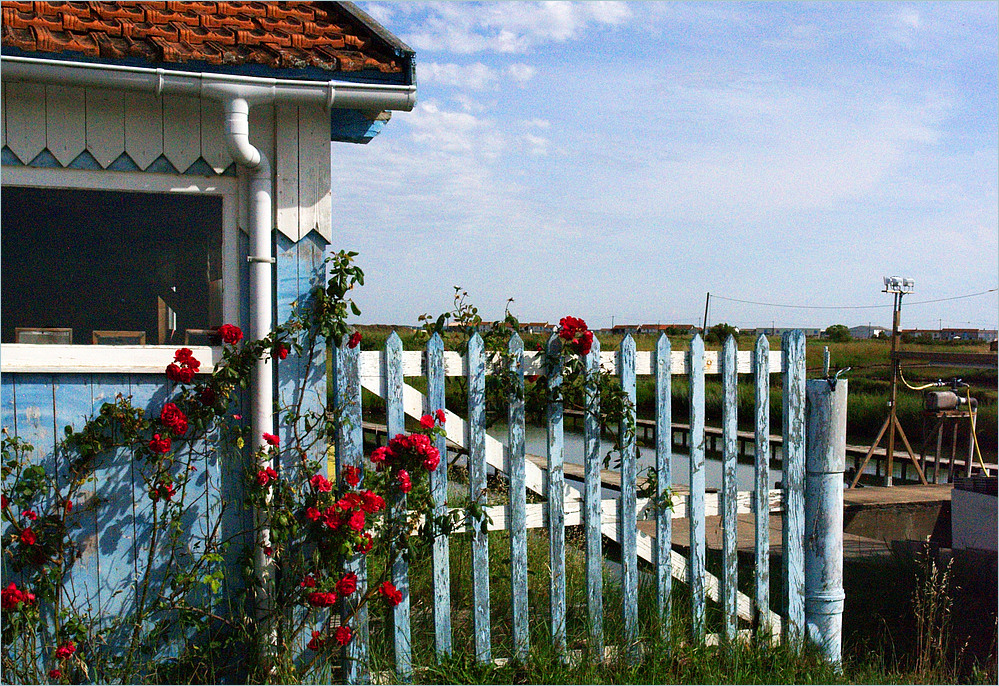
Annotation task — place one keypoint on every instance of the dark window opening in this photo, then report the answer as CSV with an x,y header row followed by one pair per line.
x,y
129,266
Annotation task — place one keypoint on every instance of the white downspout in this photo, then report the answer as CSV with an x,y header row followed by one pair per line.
x,y
237,136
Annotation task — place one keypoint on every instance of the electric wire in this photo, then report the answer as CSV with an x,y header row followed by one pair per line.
x,y
851,307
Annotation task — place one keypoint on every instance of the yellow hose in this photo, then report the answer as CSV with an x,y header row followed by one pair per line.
x,y
974,432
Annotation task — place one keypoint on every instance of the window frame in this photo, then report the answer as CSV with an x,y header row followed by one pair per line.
x,y
148,359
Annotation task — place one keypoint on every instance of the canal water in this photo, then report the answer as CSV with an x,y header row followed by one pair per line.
x,y
537,444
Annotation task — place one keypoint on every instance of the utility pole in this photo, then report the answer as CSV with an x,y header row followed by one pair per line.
x,y
704,326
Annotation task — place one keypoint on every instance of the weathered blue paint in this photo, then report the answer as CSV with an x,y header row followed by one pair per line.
x,y
73,405
350,451
395,420
354,126
592,505
438,489
556,495
825,464
793,483
476,442
729,494
113,511
695,509
661,368
761,481
518,503
627,515
85,161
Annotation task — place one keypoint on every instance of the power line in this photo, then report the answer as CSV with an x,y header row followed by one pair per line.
x,y
850,307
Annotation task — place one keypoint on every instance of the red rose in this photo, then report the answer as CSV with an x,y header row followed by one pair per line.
x,y
186,355
441,417
263,477
405,485
315,643
4,502
392,594
280,351
271,439
431,461
65,650
207,396
179,374
230,334
347,585
321,483
159,444
174,419
312,514
427,421
380,454
356,521
343,634
352,475
321,598
11,597
30,514
308,582
55,674
372,502
355,338
28,537
364,547
69,505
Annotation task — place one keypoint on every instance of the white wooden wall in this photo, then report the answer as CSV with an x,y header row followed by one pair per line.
x,y
67,121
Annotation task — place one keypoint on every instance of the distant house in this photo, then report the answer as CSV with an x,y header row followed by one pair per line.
x,y
988,335
669,329
959,334
537,327
809,332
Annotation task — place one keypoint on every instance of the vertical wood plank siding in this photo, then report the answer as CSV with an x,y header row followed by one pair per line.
x,y
350,451
556,495
628,517
761,480
592,510
395,420
65,122
730,427
664,481
476,442
793,480
518,502
438,489
695,569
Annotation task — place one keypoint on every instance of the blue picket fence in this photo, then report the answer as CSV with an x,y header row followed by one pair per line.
x,y
385,372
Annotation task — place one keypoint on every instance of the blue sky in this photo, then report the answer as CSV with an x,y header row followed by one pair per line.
x,y
619,160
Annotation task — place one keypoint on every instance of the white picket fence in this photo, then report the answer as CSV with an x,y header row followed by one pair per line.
x,y
384,373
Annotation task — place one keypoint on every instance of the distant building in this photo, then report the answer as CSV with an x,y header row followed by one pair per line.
x,y
988,335
537,327
809,332
868,331
669,329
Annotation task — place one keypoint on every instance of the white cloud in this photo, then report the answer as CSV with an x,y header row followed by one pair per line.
x,y
475,76
506,27
521,73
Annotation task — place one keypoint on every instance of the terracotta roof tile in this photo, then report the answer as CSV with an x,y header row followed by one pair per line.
x,y
279,35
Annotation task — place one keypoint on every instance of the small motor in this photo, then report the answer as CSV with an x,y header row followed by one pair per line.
x,y
937,401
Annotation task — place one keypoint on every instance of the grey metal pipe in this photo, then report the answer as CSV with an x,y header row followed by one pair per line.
x,y
825,463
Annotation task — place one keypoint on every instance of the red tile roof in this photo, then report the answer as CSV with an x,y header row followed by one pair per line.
x,y
329,36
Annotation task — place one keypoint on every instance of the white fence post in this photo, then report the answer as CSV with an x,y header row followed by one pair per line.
x,y
824,466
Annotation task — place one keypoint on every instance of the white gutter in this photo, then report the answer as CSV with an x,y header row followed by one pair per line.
x,y
237,94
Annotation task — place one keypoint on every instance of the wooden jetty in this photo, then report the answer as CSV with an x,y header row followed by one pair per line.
x,y
873,516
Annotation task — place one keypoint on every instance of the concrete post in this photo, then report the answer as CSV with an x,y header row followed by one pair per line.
x,y
825,463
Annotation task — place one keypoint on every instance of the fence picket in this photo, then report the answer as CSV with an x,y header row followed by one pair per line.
x,y
793,482
761,481
730,427
518,502
695,570
350,451
591,518
556,496
438,490
628,516
395,422
476,443
664,482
